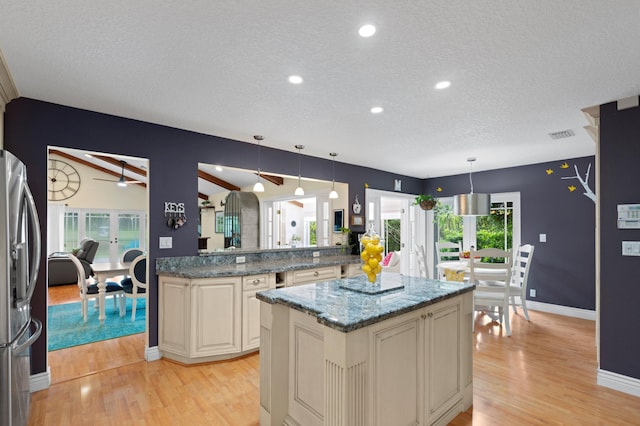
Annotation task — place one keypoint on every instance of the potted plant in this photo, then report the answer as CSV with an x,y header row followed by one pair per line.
x,y
426,202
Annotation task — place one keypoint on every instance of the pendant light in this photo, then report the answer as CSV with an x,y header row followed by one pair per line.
x,y
299,190
258,187
472,204
333,194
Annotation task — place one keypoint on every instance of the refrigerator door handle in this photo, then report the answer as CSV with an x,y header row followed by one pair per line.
x,y
32,338
35,253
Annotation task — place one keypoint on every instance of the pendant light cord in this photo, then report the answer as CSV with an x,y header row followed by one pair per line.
x,y
470,179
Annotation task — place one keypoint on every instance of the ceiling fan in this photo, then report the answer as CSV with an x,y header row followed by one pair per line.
x,y
122,181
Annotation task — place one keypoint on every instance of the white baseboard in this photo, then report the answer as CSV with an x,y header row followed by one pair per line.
x,y
562,310
152,354
619,382
40,381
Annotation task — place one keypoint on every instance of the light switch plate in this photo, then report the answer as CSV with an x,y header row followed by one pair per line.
x,y
166,242
631,248
543,238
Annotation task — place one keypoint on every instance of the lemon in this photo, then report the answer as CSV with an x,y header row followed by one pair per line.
x,y
366,269
373,262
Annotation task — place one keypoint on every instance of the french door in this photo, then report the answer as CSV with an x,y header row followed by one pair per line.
x,y
115,230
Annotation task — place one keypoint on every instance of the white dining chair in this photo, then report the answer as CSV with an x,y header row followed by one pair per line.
x,y
447,251
520,278
89,290
135,286
492,279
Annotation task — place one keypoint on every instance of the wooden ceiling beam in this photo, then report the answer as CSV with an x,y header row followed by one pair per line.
x,y
296,203
276,180
217,181
127,166
91,165
203,196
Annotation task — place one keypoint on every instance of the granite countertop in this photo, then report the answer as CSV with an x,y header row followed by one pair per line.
x,y
343,306
255,268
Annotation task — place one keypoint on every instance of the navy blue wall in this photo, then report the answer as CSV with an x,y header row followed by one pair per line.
x,y
563,268
31,126
619,275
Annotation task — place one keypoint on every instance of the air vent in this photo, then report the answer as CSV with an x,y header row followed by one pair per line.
x,y
562,134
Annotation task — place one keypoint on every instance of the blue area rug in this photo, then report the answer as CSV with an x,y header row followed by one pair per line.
x,y
66,327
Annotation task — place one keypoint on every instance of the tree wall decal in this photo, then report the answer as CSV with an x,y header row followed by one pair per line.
x,y
584,182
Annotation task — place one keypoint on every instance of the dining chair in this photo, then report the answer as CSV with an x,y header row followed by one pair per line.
x,y
135,285
445,251
89,290
130,254
520,278
488,268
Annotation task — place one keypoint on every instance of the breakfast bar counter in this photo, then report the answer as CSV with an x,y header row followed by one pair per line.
x,y
346,352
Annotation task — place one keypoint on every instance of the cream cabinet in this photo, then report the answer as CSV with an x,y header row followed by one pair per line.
x,y
313,275
215,316
174,310
412,369
208,319
251,308
418,374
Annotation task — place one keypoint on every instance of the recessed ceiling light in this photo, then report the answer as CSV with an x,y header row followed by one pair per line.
x,y
295,79
443,85
367,30
376,110
218,168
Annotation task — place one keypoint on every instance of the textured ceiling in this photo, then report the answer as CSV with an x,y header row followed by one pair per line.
x,y
519,70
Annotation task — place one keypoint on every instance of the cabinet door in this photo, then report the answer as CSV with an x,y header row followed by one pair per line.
x,y
443,358
397,366
174,314
250,321
216,316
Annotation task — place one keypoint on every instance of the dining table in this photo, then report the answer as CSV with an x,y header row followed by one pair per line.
x,y
104,271
460,270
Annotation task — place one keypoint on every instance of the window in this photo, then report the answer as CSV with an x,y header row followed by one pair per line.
x,y
500,230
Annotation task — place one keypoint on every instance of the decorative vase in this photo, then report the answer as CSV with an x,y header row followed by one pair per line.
x,y
371,254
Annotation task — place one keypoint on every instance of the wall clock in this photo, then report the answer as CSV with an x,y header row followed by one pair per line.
x,y
64,180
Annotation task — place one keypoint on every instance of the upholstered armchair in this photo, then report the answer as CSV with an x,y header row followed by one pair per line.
x,y
61,270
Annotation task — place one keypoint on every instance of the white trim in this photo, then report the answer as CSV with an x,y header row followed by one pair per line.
x,y
40,381
562,310
619,382
152,354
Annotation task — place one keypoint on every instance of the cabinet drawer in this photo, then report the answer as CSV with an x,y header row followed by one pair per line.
x,y
306,276
255,282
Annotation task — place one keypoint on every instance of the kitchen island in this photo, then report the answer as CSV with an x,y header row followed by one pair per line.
x,y
345,352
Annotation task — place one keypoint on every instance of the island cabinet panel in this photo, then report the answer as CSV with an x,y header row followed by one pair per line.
x,y
397,376
443,364
174,314
306,374
413,368
216,316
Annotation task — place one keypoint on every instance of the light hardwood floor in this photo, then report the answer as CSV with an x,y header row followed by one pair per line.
x,y
545,373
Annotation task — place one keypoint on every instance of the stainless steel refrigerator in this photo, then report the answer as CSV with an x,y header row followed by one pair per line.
x,y
19,263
